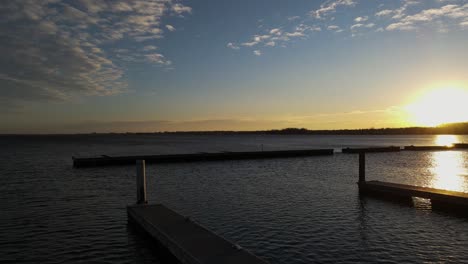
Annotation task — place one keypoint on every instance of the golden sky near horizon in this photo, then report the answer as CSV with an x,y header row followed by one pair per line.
x,y
167,65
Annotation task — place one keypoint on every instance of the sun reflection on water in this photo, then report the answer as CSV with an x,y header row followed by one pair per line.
x,y
448,170
446,140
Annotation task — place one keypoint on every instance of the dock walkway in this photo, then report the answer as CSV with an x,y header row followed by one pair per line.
x,y
189,242
186,240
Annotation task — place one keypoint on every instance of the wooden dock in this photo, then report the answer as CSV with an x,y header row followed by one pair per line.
x,y
437,196
455,146
428,148
460,145
441,199
187,241
371,149
196,157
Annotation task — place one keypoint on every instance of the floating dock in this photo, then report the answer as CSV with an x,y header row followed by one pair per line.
x,y
455,146
130,160
427,148
372,149
438,197
187,241
460,145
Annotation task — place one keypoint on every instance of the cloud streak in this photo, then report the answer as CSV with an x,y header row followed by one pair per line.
x,y
410,22
329,7
407,15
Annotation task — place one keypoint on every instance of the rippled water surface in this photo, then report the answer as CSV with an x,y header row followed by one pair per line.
x,y
294,210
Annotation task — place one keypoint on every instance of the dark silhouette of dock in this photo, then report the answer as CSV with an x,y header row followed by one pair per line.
x,y
394,190
105,160
191,243
455,146
428,148
456,202
187,241
196,157
371,149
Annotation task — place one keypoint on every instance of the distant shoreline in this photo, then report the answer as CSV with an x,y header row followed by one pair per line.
x,y
447,129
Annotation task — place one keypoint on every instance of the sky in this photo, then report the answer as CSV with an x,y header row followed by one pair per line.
x,y
166,65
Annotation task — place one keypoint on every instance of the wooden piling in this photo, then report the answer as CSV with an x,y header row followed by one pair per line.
x,y
141,182
362,167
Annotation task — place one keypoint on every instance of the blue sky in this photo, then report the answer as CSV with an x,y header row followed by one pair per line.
x,y
84,66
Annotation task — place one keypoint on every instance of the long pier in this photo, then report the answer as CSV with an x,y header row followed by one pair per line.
x,y
455,146
105,160
440,199
187,241
371,149
428,148
130,160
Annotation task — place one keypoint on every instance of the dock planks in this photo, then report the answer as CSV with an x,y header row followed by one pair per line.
x,y
189,242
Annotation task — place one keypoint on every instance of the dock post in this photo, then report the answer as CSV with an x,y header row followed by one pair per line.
x,y
141,182
362,167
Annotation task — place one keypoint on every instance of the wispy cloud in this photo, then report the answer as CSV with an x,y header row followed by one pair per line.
x,y
403,15
333,27
361,19
56,49
276,36
180,9
330,7
157,58
294,18
149,48
170,28
232,46
411,22
257,52
385,12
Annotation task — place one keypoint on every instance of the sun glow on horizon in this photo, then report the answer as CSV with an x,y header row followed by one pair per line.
x,y
446,140
439,106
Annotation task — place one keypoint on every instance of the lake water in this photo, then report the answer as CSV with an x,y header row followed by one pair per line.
x,y
292,210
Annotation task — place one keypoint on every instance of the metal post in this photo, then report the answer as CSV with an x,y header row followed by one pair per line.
x,y
141,182
362,167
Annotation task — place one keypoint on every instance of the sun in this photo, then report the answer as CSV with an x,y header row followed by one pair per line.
x,y
439,106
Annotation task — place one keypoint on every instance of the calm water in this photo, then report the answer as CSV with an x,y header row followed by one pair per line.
x,y
297,210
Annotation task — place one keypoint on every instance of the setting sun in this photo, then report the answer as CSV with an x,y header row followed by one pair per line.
x,y
439,106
